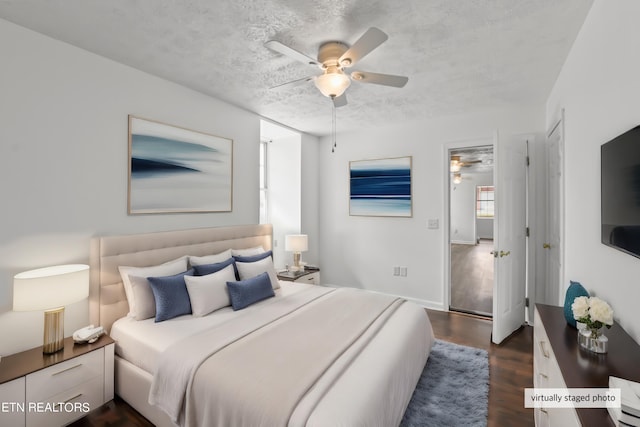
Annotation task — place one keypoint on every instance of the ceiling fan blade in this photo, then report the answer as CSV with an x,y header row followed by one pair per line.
x,y
276,46
293,83
370,40
340,101
379,79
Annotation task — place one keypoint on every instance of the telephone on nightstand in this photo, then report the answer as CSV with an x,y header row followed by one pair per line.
x,y
88,334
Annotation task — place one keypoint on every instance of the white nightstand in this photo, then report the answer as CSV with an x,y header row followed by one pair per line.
x,y
311,277
39,389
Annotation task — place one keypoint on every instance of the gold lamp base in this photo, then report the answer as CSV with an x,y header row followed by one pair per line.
x,y
296,259
53,330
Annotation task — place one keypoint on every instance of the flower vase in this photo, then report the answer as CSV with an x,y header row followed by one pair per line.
x,y
593,340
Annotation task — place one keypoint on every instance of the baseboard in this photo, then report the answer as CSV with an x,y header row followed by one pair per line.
x,y
463,242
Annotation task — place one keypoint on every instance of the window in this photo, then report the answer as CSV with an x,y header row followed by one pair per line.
x,y
485,203
264,182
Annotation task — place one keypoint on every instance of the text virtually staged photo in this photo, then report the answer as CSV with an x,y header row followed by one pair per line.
x,y
351,213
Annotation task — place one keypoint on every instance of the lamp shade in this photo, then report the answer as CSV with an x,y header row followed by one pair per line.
x,y
333,83
50,287
296,243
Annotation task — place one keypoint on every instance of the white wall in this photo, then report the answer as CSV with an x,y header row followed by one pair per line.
x,y
361,251
310,221
284,193
599,89
63,161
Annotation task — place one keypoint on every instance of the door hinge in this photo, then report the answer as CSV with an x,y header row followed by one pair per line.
x,y
526,302
528,161
527,231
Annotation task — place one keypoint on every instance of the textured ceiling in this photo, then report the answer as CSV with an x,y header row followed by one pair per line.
x,y
460,56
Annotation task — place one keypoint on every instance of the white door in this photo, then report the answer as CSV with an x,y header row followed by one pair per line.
x,y
553,244
510,176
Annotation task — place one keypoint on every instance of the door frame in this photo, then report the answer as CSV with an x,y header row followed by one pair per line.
x,y
446,215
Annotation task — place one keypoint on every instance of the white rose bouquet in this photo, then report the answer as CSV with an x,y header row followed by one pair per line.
x,y
593,312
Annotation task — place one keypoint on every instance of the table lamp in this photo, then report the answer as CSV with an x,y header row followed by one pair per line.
x,y
296,243
50,289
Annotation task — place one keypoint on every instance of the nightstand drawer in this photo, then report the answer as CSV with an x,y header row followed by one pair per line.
x,y
12,397
312,279
50,381
66,406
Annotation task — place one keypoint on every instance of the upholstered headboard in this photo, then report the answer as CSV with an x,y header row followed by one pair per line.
x,y
107,300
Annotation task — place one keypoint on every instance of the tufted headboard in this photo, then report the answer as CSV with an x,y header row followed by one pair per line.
x,y
107,300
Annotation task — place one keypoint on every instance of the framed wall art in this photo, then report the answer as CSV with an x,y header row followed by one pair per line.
x,y
172,169
380,187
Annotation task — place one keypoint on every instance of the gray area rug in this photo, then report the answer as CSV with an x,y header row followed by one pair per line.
x,y
453,389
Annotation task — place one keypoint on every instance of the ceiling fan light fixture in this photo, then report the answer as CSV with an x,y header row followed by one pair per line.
x,y
455,164
333,82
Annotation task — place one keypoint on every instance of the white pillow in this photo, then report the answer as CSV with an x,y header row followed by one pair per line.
x,y
247,270
143,296
210,259
167,269
209,293
248,252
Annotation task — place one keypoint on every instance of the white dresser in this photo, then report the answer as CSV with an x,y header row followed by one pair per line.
x,y
54,390
559,362
547,374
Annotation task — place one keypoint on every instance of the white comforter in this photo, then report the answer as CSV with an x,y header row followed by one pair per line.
x,y
286,361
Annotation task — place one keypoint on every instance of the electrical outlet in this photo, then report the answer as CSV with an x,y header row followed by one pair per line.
x,y
433,224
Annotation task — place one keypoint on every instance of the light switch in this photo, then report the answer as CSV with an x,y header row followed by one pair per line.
x,y
433,224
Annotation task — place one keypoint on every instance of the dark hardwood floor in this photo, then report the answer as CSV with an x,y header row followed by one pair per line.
x,y
472,277
510,371
510,363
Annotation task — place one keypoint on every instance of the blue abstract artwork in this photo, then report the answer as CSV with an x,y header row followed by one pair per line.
x,y
380,187
172,169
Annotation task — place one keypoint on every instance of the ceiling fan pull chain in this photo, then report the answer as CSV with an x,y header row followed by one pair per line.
x,y
333,127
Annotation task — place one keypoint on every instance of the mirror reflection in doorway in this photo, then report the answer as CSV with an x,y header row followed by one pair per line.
x,y
471,231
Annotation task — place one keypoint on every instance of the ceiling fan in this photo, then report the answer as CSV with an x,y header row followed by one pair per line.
x,y
334,58
457,164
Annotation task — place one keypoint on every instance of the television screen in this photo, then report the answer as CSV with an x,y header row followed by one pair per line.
x,y
620,189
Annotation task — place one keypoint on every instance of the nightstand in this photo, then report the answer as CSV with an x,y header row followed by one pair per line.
x,y
305,276
39,389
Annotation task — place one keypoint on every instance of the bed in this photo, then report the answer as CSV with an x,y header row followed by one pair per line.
x,y
308,356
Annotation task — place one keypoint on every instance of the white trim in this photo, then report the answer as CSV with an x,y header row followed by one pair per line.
x,y
433,305
463,242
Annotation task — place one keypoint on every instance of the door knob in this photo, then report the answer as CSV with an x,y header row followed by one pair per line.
x,y
546,246
494,253
503,253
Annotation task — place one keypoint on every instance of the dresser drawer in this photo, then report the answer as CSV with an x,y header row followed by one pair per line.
x,y
68,405
51,381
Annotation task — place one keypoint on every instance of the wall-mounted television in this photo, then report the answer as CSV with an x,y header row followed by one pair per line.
x,y
620,189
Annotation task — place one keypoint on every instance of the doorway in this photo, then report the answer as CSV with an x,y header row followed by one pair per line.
x,y
471,229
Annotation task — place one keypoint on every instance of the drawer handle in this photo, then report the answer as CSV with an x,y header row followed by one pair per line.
x,y
544,411
543,376
65,370
545,353
61,404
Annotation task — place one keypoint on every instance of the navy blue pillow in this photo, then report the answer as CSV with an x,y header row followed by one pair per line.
x,y
253,258
574,291
171,295
246,292
203,270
